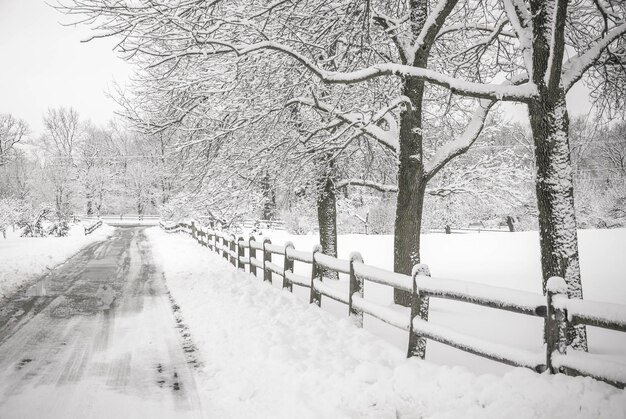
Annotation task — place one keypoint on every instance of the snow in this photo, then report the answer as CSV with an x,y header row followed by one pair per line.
x,y
274,248
298,279
330,262
575,67
386,314
516,356
489,295
594,310
300,255
23,259
508,261
331,292
388,138
448,150
256,262
384,277
556,285
267,354
591,365
458,86
274,268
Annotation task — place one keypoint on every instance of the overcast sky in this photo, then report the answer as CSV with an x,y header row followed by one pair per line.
x,y
43,64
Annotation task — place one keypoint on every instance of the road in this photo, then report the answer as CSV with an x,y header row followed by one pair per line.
x,y
96,338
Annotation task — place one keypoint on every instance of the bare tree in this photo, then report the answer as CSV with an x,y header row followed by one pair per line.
x,y
61,131
12,131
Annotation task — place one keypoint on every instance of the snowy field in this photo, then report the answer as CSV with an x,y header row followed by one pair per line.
x,y
266,354
509,260
22,259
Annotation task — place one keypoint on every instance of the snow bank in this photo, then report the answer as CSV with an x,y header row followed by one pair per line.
x,y
22,259
507,260
266,354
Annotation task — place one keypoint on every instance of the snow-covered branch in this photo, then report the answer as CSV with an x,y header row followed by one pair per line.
x,y
387,138
519,17
366,183
460,145
576,67
516,93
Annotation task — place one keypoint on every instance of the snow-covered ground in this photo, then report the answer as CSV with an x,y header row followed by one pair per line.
x,y
266,354
509,260
22,259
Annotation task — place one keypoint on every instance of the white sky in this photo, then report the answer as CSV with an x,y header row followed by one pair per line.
x,y
43,64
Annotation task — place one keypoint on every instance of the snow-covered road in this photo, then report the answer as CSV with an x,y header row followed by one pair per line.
x,y
101,337
96,338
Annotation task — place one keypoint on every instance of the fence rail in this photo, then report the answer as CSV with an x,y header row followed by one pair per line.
x,y
121,219
269,224
93,227
557,310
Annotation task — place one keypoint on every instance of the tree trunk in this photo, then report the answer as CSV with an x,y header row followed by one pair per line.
x,y
555,200
89,204
510,222
269,198
411,188
327,214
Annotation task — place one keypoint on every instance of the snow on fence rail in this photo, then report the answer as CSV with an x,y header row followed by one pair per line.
x,y
557,310
270,224
93,227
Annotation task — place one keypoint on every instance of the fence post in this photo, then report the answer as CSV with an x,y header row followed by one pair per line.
x,y
233,247
193,230
224,247
316,297
419,308
556,321
356,287
241,253
287,267
267,257
252,254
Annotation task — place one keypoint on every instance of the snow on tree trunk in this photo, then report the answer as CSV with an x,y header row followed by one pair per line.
x,y
269,198
555,200
411,187
510,222
89,204
327,213
554,185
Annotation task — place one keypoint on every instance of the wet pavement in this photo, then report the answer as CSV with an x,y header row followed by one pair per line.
x,y
96,338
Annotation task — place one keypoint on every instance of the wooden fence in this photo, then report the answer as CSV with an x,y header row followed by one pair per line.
x,y
268,224
93,227
556,309
121,220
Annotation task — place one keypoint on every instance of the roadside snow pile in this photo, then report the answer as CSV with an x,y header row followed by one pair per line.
x,y
266,354
24,258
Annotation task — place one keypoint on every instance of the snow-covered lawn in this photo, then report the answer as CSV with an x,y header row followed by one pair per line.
x,y
509,260
266,354
22,259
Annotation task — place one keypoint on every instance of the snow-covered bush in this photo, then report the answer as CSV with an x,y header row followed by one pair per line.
x,y
300,218
381,217
10,211
59,228
601,204
32,221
